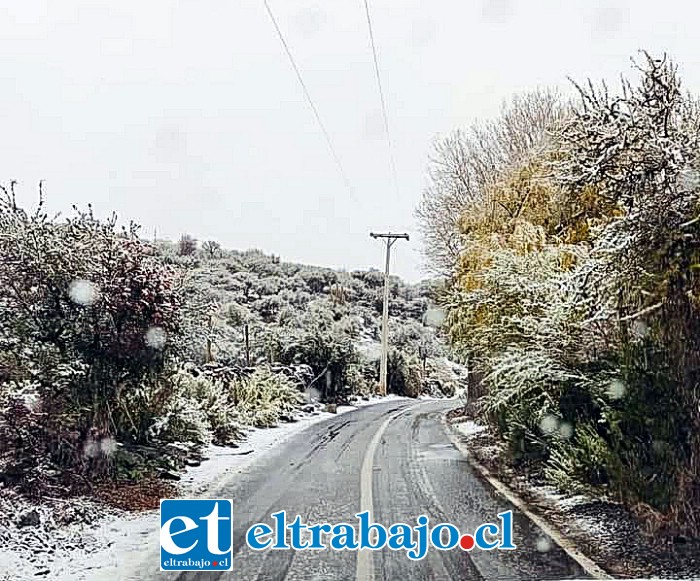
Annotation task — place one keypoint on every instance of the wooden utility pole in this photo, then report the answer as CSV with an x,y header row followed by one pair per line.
x,y
390,239
209,355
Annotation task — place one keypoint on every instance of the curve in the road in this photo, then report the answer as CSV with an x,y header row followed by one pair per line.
x,y
396,460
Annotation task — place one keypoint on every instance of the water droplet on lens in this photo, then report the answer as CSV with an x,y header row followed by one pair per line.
x,y
549,424
616,389
434,317
156,338
543,544
566,430
83,292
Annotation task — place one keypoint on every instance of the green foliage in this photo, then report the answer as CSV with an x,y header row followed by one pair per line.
x,y
328,347
652,428
265,398
360,380
198,409
580,463
575,290
403,374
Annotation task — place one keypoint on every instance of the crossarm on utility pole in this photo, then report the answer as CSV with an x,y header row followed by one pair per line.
x,y
390,239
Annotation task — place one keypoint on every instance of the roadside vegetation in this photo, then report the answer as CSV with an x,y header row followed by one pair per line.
x,y
569,237
122,359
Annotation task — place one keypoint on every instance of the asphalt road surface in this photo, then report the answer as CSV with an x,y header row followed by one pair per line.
x,y
396,460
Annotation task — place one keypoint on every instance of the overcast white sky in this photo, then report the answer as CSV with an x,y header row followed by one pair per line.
x,y
187,117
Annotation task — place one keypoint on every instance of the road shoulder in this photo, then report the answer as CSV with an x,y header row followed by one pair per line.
x,y
601,535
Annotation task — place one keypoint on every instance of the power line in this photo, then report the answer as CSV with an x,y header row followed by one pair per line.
x,y
382,100
336,158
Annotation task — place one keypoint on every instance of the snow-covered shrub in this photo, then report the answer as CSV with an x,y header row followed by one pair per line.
x,y
268,307
319,280
361,380
265,398
403,374
90,311
288,317
226,421
324,344
182,419
640,152
22,448
198,410
579,462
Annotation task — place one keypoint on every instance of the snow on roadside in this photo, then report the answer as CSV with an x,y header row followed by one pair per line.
x,y
474,431
469,428
603,529
563,500
113,544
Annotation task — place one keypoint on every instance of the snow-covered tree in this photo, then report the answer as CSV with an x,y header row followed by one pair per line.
x,y
574,295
